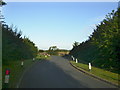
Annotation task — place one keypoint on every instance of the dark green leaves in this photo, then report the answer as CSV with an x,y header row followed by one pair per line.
x,y
14,47
103,46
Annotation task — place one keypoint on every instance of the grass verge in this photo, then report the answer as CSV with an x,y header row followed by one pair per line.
x,y
42,57
109,76
16,70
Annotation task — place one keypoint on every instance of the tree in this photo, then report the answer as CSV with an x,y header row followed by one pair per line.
x,y
75,44
53,48
14,47
2,2
41,51
103,46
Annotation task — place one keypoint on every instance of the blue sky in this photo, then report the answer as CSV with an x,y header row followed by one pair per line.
x,y
56,23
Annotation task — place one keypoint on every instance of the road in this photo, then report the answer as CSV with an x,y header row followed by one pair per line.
x,y
58,73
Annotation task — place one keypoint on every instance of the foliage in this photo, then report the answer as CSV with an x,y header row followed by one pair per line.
x,y
41,51
14,47
2,2
53,50
75,44
102,48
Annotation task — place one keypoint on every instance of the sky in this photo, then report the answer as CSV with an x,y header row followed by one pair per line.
x,y
61,0
56,23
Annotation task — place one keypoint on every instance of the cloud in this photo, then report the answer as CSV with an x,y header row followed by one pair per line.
x,y
61,0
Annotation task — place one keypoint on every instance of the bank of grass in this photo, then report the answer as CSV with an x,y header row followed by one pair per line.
x,y
16,70
43,57
109,76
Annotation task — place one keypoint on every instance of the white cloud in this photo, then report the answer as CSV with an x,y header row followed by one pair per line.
x,y
61,0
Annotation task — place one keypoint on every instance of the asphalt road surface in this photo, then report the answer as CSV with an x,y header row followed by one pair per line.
x,y
58,73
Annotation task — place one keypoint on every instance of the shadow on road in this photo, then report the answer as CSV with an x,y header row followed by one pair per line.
x,y
46,74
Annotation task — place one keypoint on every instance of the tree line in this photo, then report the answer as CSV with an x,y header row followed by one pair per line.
x,y
14,47
102,48
54,50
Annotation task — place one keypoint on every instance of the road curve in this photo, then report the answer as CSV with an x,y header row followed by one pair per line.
x,y
58,73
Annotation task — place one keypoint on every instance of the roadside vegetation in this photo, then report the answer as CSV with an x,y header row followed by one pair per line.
x,y
41,56
1,4
15,49
53,50
102,49
104,74
16,70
